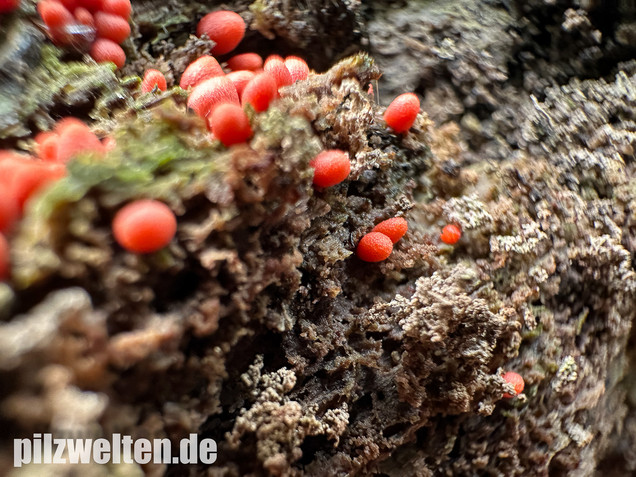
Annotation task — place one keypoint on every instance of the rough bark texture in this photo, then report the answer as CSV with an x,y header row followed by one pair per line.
x,y
258,326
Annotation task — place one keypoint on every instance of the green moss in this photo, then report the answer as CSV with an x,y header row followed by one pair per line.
x,y
73,84
161,154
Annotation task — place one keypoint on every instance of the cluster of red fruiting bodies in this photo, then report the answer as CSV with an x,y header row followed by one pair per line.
x,y
217,97
23,176
147,226
101,25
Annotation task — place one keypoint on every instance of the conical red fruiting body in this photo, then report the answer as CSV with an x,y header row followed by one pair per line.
x,y
210,93
200,70
451,234
276,67
151,79
245,61
54,14
117,7
76,139
516,380
374,247
394,228
240,79
7,6
104,50
4,258
297,67
402,112
331,167
144,226
230,124
225,28
112,27
260,92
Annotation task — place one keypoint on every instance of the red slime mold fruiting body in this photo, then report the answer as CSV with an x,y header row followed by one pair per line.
x,y
394,228
331,167
374,247
144,226
230,124
223,27
402,112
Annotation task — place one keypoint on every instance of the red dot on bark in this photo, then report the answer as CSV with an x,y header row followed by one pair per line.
x,y
451,234
516,380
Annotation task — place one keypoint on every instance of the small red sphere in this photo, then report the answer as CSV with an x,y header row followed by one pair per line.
x,y
402,112
451,234
394,228
223,27
210,93
374,247
516,380
4,258
144,226
112,27
297,67
275,66
104,50
200,70
245,61
260,92
230,124
331,167
153,78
